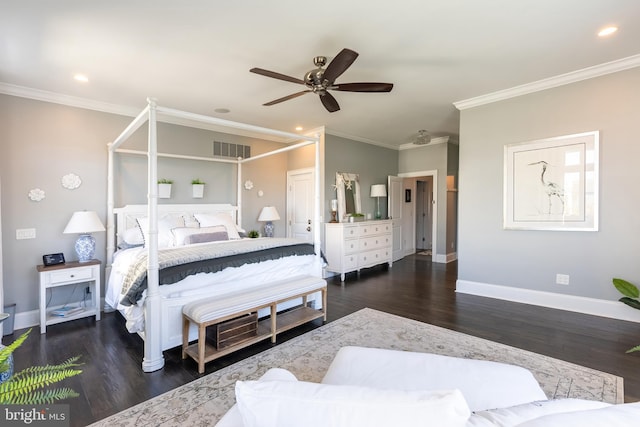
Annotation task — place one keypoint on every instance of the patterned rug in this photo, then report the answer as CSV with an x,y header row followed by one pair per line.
x,y
205,400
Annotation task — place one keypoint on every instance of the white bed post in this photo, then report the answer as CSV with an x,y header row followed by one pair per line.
x,y
111,238
153,358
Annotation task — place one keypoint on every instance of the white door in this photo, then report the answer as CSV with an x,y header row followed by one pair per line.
x,y
300,199
395,200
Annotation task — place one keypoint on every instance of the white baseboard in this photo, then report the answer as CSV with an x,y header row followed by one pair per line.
x,y
444,259
593,306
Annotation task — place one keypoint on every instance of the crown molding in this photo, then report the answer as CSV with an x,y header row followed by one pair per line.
x,y
122,110
551,82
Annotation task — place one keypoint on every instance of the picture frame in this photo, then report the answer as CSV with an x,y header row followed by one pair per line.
x,y
552,183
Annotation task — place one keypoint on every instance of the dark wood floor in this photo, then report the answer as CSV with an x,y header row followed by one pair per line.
x,y
415,288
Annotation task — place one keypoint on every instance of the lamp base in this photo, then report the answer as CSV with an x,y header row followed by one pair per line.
x,y
334,216
268,229
85,247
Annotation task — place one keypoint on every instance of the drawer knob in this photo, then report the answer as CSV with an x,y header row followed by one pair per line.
x,y
73,275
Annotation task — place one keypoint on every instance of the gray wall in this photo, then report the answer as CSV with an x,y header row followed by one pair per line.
x,y
41,142
435,157
531,259
372,163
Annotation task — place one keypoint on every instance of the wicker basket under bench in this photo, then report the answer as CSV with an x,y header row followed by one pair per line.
x,y
235,317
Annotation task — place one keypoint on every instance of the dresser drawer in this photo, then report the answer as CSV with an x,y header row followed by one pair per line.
x,y
351,246
369,258
350,262
372,229
350,231
375,242
67,276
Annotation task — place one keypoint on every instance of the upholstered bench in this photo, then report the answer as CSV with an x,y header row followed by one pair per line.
x,y
228,307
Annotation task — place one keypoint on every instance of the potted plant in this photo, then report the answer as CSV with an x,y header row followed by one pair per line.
x,y
25,387
630,298
253,234
164,188
198,188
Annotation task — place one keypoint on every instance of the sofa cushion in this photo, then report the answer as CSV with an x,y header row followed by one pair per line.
x,y
233,418
623,415
514,415
294,404
484,385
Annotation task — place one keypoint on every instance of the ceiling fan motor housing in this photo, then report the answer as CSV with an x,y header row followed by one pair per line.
x,y
315,81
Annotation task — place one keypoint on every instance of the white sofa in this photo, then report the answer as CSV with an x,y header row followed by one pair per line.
x,y
376,387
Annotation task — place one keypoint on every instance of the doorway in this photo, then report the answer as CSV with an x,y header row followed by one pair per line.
x,y
300,204
424,214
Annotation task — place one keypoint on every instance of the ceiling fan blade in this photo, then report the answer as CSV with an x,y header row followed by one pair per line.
x,y
329,102
339,64
286,98
275,75
363,87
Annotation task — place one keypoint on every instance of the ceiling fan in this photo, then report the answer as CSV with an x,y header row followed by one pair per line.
x,y
321,80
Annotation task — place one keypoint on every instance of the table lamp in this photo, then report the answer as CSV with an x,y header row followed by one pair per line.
x,y
377,191
84,223
267,215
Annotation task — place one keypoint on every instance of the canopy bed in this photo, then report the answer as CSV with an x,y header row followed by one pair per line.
x,y
204,237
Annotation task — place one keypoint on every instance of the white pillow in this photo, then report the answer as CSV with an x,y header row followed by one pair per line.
x,y
133,237
209,220
181,235
295,404
624,415
514,415
165,225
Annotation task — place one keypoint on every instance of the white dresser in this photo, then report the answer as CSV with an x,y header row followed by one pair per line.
x,y
353,246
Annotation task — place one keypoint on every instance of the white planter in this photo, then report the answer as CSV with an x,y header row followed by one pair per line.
x,y
198,191
164,191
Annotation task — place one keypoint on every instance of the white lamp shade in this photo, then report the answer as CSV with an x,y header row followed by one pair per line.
x,y
84,222
269,213
378,190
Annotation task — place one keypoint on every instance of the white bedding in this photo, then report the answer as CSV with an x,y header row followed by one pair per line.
x,y
202,284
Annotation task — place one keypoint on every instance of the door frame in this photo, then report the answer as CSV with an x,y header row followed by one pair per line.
x,y
434,224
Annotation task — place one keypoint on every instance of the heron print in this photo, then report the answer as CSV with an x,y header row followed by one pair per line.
x,y
552,190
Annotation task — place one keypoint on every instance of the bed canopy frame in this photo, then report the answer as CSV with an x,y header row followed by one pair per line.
x,y
153,359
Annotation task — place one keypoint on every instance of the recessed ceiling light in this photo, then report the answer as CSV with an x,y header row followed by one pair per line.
x,y
81,78
607,31
299,128
222,110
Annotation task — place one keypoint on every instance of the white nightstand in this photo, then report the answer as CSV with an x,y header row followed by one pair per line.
x,y
70,273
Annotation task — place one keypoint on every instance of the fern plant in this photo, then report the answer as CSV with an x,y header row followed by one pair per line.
x,y
630,298
27,387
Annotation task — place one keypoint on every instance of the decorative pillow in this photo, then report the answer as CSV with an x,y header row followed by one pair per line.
x,y
165,225
208,220
623,415
295,404
188,235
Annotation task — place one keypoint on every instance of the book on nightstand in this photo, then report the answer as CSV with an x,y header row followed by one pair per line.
x,y
66,311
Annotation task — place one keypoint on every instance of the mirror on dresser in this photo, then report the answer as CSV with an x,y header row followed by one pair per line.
x,y
348,189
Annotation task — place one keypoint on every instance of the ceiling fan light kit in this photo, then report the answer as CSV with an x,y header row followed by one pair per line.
x,y
321,80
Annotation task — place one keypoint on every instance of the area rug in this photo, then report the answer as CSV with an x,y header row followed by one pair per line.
x,y
205,400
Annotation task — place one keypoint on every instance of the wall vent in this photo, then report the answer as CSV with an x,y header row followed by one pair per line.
x,y
224,149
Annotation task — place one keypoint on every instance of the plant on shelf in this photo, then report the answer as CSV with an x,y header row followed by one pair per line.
x,y
253,234
197,181
25,387
165,181
631,295
198,188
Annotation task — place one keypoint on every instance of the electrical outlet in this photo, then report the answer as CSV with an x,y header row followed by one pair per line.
x,y
562,279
